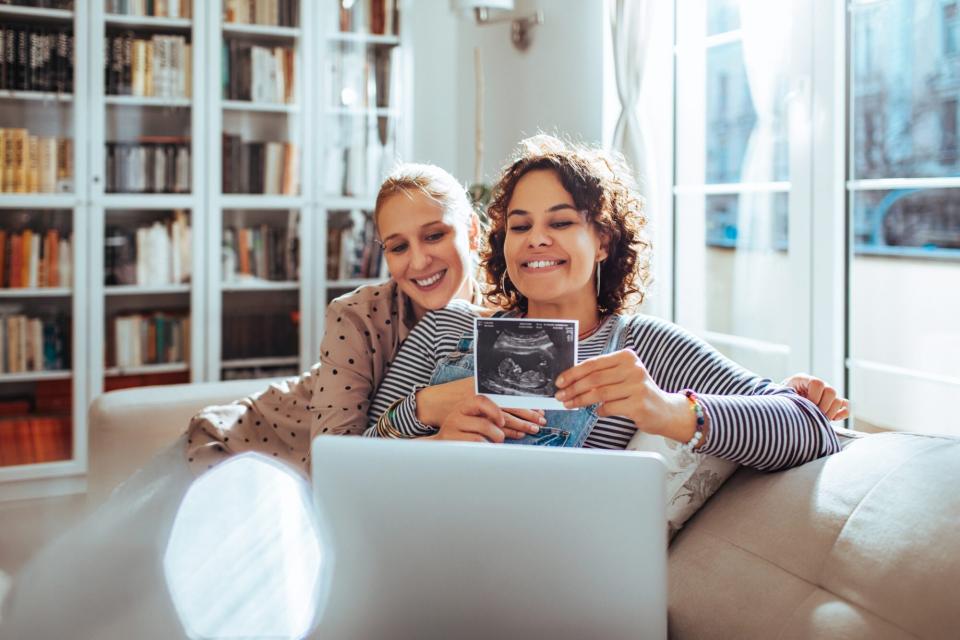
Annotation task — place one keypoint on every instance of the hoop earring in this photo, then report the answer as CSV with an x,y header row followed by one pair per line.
x,y
599,262
503,282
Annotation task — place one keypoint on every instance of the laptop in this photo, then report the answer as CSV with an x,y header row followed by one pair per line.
x,y
425,539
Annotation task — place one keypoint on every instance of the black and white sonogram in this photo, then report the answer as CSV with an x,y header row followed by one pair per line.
x,y
518,360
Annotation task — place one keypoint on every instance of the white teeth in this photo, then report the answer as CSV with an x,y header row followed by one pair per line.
x,y
429,281
540,264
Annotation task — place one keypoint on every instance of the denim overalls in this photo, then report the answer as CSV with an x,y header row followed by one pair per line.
x,y
563,428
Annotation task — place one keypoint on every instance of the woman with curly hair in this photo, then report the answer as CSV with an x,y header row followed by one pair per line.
x,y
567,242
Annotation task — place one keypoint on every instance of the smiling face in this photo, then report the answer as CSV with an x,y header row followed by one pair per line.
x,y
551,248
427,249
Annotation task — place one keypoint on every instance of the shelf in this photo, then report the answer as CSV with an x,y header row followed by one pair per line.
x,y
58,15
145,290
40,292
257,201
42,96
171,367
234,28
353,283
365,38
380,112
35,376
284,361
260,285
260,107
147,201
338,203
148,101
151,22
38,201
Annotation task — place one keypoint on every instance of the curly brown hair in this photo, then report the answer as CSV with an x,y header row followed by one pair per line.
x,y
601,185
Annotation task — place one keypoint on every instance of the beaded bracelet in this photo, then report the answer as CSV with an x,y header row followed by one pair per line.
x,y
697,409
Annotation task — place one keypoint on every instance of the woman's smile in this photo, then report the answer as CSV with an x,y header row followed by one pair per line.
x,y
431,281
543,265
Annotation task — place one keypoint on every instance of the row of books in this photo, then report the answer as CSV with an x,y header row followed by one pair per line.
x,y
369,16
36,58
361,77
157,164
258,74
260,167
264,253
35,259
35,164
62,5
148,338
252,373
154,254
154,8
35,439
33,343
359,155
274,13
159,67
260,335
352,248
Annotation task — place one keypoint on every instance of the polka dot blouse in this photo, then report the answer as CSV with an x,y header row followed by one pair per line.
x,y
364,330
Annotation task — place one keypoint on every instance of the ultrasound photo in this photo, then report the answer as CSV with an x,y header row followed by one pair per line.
x,y
518,360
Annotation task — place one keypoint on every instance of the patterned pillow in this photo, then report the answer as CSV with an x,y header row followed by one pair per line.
x,y
691,477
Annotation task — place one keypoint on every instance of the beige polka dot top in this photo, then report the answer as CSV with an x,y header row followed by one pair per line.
x,y
363,331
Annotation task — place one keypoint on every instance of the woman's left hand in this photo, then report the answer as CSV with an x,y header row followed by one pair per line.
x,y
820,393
622,386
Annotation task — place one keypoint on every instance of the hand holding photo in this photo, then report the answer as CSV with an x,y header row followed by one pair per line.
x,y
519,359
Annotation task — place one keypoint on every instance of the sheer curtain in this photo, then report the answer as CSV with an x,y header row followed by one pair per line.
x,y
766,38
630,22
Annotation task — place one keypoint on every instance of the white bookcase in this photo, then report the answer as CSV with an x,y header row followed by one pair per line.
x,y
62,115
321,120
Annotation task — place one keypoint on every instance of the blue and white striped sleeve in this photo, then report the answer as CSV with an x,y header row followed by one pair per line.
x,y
750,420
410,370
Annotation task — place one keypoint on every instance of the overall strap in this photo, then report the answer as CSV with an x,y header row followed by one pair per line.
x,y
614,342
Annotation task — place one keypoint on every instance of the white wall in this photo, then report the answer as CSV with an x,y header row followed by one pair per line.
x,y
433,32
556,85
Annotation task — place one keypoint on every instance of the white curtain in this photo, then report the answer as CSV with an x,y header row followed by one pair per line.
x,y
766,33
630,22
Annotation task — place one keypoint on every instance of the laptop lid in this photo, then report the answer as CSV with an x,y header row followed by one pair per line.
x,y
459,540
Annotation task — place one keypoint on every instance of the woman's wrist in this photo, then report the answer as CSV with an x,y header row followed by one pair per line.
x,y
683,423
425,400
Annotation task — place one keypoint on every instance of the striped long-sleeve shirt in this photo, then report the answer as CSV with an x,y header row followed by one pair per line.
x,y
752,421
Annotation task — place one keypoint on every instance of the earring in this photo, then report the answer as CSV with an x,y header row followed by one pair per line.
x,y
599,262
503,281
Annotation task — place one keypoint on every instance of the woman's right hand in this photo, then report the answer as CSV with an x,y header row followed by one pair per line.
x,y
436,403
478,419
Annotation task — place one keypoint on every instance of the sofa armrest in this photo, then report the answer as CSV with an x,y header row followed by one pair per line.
x,y
128,426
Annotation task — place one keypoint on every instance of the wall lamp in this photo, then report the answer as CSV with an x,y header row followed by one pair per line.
x,y
520,28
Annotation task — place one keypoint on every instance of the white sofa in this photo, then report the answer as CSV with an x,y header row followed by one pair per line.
x,y
863,544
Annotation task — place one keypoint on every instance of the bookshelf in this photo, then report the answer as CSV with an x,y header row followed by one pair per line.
x,y
147,168
43,294
166,182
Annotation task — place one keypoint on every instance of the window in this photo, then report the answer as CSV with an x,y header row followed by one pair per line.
x,y
733,183
749,155
904,203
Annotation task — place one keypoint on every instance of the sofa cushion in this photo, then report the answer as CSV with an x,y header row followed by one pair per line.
x,y
863,541
127,427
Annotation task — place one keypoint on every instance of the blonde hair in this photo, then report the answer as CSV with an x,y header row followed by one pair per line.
x,y
431,181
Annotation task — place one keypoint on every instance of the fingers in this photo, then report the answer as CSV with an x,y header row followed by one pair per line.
x,y
839,409
815,390
590,365
524,420
826,400
595,380
483,406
